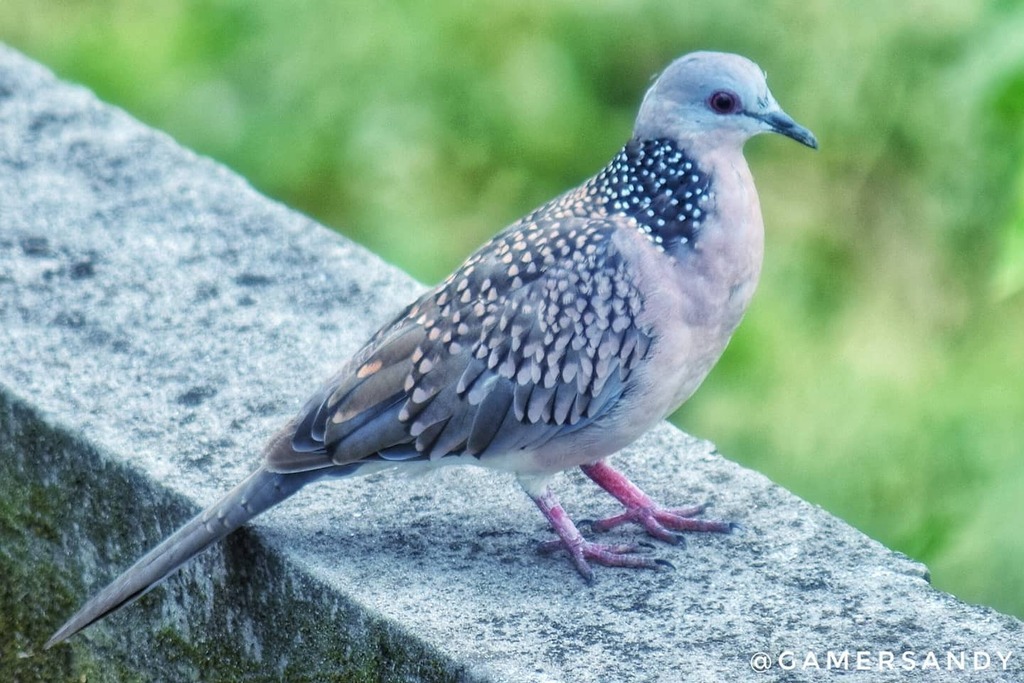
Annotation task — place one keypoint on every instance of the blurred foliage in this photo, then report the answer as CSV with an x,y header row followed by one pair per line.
x,y
879,372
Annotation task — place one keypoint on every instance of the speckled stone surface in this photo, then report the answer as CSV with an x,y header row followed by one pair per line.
x,y
160,318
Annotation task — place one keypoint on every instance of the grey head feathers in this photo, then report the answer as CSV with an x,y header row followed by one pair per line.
x,y
710,100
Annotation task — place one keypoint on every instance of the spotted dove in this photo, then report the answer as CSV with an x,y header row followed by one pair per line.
x,y
557,343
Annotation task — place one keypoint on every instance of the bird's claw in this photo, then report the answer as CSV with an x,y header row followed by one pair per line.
x,y
662,523
584,552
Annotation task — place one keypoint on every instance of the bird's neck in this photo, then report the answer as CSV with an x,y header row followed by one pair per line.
x,y
661,186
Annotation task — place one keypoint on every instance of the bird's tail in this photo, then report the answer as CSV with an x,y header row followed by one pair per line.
x,y
261,490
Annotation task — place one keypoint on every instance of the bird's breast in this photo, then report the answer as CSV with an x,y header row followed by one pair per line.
x,y
696,296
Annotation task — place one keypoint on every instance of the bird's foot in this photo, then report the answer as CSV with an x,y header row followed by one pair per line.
x,y
660,522
664,523
583,552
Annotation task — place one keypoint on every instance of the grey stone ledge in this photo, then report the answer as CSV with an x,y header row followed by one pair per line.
x,y
160,318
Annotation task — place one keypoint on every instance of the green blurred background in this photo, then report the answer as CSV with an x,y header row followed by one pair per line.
x,y
878,373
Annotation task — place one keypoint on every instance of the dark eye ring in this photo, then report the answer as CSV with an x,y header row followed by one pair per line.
x,y
724,102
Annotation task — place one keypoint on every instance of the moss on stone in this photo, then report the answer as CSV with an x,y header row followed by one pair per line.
x,y
69,518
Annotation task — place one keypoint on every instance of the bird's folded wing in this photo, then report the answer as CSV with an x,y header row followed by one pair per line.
x,y
533,337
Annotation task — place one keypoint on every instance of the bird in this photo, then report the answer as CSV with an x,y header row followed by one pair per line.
x,y
556,344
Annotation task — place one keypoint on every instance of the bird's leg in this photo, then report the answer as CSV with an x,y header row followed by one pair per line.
x,y
580,549
658,521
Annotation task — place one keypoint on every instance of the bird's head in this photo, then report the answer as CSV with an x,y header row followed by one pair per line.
x,y
714,99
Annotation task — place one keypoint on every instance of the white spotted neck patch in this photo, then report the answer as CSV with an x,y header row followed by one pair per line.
x,y
658,185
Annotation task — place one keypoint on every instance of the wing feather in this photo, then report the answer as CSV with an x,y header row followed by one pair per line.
x,y
533,337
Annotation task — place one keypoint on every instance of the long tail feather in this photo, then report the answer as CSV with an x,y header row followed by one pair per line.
x,y
260,491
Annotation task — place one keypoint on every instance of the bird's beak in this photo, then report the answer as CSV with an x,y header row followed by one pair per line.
x,y
780,122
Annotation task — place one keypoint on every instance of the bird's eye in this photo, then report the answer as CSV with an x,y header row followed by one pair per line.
x,y
724,102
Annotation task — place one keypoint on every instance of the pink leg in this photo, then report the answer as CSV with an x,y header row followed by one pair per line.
x,y
582,550
659,522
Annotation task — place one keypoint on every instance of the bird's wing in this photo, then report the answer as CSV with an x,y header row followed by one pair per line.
x,y
534,336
